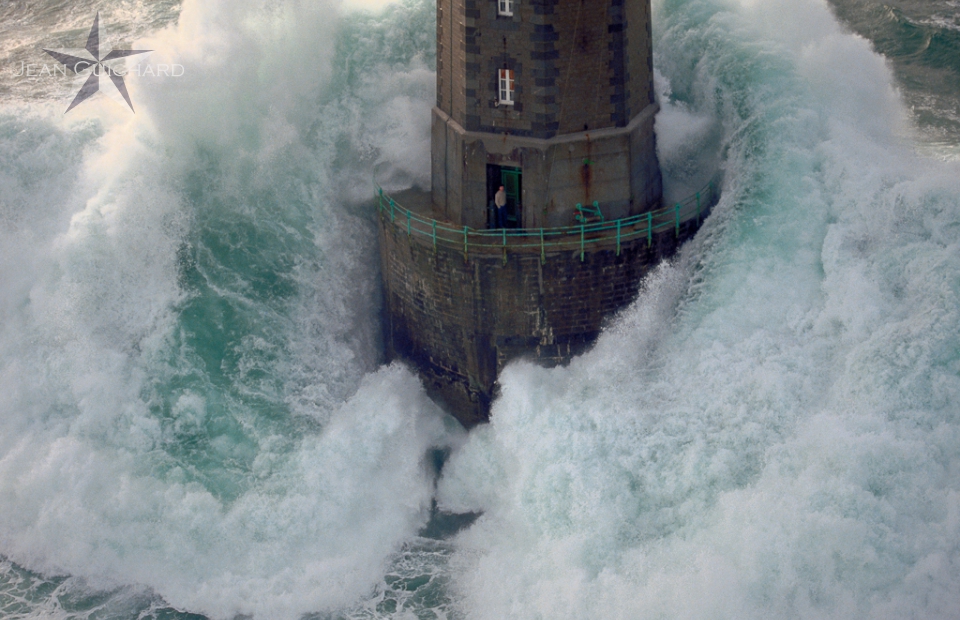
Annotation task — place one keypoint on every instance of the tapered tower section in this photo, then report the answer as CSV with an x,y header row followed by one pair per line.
x,y
552,100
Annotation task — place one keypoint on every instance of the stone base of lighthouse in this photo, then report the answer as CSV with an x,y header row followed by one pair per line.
x,y
458,315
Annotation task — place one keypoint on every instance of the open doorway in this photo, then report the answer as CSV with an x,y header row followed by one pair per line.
x,y
510,178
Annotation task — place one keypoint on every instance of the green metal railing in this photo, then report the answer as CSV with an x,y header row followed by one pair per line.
x,y
583,236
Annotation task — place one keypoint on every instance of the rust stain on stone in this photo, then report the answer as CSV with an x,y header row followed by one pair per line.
x,y
586,173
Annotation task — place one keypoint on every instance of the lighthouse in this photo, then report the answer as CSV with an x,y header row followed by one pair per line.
x,y
550,103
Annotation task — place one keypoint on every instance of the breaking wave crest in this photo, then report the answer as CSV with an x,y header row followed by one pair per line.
x,y
193,413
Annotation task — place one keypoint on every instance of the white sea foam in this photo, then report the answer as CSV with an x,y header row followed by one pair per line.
x,y
772,429
282,490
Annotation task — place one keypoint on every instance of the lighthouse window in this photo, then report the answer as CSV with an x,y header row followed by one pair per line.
x,y
505,7
506,87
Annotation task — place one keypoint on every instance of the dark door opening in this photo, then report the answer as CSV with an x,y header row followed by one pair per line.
x,y
511,180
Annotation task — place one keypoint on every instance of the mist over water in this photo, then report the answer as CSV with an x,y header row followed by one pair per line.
x,y
193,414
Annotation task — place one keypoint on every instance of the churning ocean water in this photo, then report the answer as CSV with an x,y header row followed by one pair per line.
x,y
194,415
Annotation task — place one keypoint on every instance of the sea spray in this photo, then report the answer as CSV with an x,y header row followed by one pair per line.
x,y
194,408
771,430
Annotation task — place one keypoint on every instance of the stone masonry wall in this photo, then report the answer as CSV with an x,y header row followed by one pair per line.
x,y
459,321
616,167
581,129
580,65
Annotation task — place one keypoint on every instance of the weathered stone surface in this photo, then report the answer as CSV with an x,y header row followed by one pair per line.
x,y
581,128
578,63
460,320
616,167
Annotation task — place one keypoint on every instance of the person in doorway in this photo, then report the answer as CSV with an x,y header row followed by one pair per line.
x,y
500,201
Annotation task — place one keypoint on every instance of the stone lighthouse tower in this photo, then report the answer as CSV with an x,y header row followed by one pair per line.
x,y
552,100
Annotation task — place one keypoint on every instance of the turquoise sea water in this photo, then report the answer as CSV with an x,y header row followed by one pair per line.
x,y
922,39
194,415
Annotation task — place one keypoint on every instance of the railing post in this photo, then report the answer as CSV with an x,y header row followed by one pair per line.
x,y
543,254
465,244
392,216
408,222
618,237
503,232
581,242
676,230
434,236
649,228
